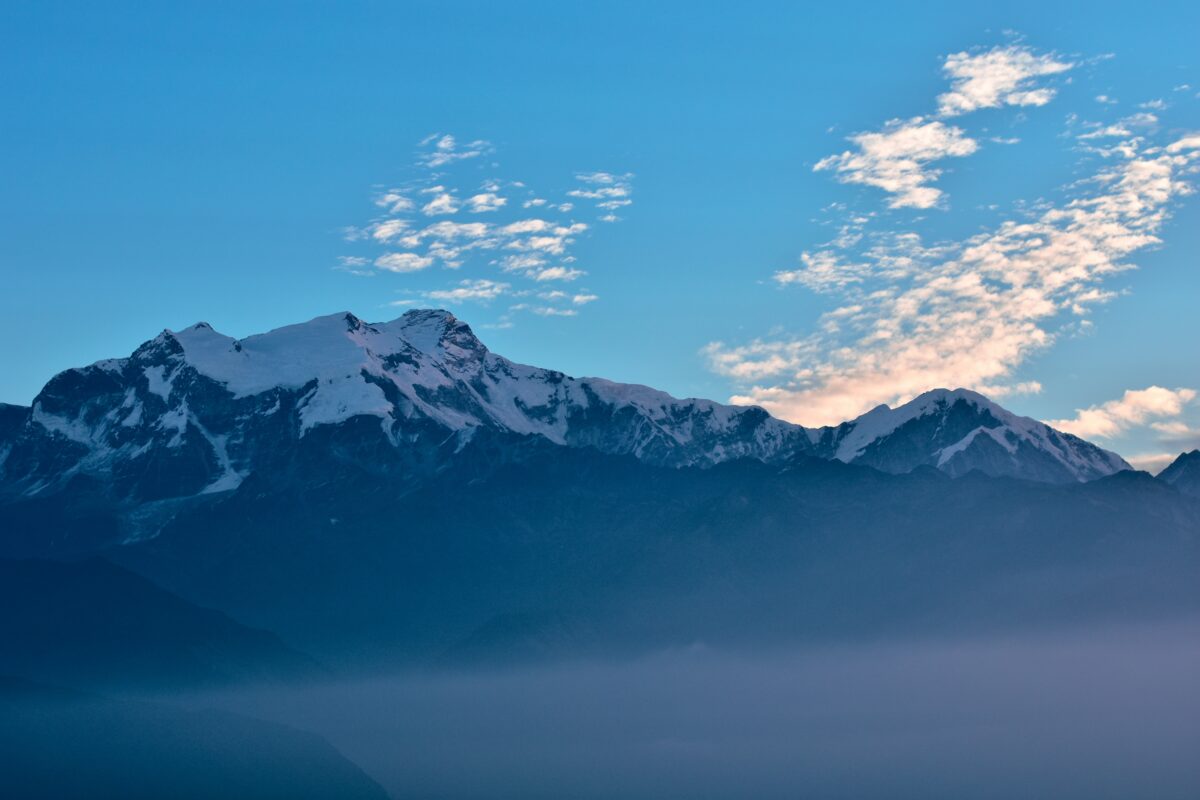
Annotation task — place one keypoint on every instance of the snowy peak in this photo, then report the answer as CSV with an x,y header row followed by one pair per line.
x,y
324,348
195,411
958,431
882,421
435,331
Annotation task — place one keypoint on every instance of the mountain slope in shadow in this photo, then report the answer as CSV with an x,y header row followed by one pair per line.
x,y
93,624
61,745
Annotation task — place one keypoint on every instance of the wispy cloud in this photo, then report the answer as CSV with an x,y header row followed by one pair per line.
x,y
965,313
394,202
606,190
493,227
486,201
557,274
470,290
1173,436
908,314
1132,125
1135,408
443,202
897,159
1152,462
446,150
1001,76
403,262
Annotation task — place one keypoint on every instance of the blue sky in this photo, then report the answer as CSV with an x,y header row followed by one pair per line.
x,y
233,163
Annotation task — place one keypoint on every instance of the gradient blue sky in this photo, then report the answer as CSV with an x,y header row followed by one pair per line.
x,y
217,162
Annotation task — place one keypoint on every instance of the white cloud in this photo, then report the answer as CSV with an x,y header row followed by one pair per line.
x,y
487,201
388,229
403,262
1002,76
1124,127
557,274
1153,463
527,226
442,203
897,159
522,262
447,230
447,151
1136,407
478,290
1184,144
602,178
607,191
969,313
394,202
822,271
532,248
1000,390
910,316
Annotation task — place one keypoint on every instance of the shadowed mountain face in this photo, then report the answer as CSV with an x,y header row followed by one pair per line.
x,y
93,624
560,551
1184,473
61,745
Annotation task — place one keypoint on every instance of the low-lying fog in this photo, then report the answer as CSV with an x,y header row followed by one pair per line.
x,y
1112,713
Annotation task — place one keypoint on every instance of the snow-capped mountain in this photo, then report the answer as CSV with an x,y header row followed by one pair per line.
x,y
195,412
1184,473
959,431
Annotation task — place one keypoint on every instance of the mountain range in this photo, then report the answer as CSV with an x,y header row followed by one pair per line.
x,y
194,412
397,491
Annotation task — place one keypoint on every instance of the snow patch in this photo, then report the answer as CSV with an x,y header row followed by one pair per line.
x,y
158,382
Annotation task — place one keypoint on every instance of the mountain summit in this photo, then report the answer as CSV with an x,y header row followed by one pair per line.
x,y
959,431
1184,473
195,412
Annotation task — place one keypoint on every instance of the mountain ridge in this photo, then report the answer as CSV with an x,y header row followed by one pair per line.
x,y
1184,473
92,624
396,491
194,412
